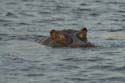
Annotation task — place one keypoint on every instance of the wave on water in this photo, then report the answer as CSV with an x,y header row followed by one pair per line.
x,y
114,35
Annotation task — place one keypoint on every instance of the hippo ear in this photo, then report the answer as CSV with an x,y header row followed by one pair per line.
x,y
53,34
84,29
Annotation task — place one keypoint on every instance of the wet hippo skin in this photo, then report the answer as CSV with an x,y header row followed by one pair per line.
x,y
67,38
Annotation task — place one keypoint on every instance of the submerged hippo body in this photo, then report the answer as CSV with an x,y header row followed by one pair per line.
x,y
67,38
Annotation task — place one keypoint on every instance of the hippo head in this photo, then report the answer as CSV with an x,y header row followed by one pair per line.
x,y
65,38
68,38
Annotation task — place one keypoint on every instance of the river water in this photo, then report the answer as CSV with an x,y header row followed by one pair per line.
x,y
23,60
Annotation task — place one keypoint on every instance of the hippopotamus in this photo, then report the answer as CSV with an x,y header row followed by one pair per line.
x,y
67,38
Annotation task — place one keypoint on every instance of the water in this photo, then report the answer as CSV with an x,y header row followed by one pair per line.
x,y
23,60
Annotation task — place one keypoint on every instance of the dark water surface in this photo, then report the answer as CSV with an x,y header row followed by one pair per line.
x,y
22,60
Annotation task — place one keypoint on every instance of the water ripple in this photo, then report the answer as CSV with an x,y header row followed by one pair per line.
x,y
121,69
73,59
34,75
10,14
115,79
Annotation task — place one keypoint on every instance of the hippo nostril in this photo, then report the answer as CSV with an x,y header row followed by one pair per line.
x,y
70,41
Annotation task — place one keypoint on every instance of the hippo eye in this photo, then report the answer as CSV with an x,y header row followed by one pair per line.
x,y
61,36
81,36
